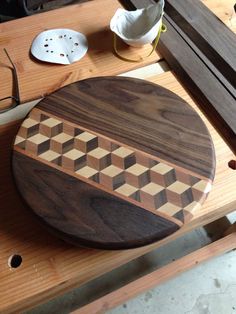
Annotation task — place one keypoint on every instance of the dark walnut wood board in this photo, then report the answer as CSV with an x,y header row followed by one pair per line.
x,y
200,49
113,162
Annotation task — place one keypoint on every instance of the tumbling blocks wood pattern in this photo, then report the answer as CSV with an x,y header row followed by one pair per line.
x,y
113,162
154,184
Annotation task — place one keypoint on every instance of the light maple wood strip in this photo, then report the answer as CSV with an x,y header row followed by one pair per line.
x,y
51,266
159,276
39,78
224,10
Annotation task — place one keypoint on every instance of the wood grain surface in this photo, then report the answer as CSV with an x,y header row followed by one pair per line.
x,y
89,18
203,84
204,80
86,215
66,171
53,267
224,10
215,40
140,114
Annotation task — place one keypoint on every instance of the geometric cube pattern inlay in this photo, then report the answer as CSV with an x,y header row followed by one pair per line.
x,y
121,169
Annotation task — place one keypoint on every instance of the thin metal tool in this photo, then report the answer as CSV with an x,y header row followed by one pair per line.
x,y
16,98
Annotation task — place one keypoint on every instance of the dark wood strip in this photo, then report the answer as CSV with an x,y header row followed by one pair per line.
x,y
211,95
215,98
203,57
139,114
84,214
211,36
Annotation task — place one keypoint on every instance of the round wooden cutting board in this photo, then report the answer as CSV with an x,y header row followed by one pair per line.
x,y
113,162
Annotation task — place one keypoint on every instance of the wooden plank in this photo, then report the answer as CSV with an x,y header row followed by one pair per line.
x,y
37,78
203,84
224,10
180,52
51,266
108,126
215,40
198,53
159,276
128,110
83,214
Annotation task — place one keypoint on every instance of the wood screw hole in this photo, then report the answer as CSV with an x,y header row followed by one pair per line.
x,y
232,164
14,261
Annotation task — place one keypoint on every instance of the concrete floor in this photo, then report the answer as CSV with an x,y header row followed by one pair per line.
x,y
209,288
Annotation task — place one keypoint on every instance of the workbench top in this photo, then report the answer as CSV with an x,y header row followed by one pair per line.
x,y
49,266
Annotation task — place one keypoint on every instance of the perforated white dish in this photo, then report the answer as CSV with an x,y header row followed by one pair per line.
x,y
63,46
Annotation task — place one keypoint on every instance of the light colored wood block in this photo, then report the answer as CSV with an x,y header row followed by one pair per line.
x,y
62,143
73,160
71,130
112,177
107,144
185,178
123,157
162,174
179,194
51,156
153,195
28,128
144,160
37,144
199,188
137,175
192,207
86,142
20,141
129,191
169,209
36,115
50,127
99,158
89,173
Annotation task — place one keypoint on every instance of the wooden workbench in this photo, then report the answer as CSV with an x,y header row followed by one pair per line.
x,y
49,266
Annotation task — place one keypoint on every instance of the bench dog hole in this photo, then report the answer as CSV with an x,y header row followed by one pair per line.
x,y
232,164
14,261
